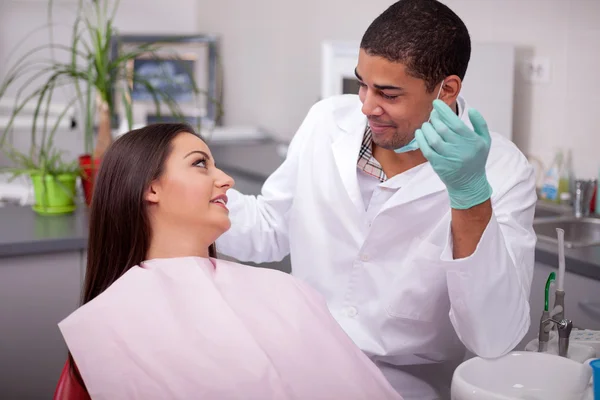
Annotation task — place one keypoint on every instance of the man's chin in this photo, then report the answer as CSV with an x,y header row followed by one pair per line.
x,y
388,144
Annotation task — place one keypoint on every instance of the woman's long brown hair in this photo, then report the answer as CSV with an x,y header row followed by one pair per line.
x,y
119,228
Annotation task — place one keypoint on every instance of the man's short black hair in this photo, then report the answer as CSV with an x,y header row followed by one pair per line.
x,y
424,35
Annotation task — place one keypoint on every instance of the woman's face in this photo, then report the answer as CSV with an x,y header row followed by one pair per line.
x,y
191,191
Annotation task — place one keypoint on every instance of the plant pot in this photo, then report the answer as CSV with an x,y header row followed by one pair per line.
x,y
54,194
88,174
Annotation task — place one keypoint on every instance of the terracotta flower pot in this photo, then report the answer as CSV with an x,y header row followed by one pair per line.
x,y
88,173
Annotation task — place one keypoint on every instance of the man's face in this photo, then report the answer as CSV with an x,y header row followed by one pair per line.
x,y
395,103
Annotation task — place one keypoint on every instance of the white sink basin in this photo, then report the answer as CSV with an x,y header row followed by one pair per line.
x,y
522,375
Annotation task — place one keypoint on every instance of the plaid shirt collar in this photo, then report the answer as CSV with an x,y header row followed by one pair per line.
x,y
366,161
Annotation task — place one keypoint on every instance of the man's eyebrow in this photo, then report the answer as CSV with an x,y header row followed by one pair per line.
x,y
379,87
357,75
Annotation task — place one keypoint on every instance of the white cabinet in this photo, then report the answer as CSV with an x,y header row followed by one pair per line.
x,y
582,300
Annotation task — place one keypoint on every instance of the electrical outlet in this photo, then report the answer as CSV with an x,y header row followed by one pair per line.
x,y
537,70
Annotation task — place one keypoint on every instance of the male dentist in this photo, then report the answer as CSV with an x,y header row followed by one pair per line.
x,y
402,209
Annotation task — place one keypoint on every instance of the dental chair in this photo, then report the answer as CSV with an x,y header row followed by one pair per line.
x,y
68,388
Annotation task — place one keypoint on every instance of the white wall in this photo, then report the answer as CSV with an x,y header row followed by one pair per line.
x,y
271,52
20,17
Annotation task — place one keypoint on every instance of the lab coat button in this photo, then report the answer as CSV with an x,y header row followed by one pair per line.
x,y
364,257
351,312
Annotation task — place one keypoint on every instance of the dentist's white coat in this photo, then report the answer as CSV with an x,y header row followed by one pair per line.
x,y
391,282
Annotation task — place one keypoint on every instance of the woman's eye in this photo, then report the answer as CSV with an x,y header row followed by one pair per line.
x,y
200,163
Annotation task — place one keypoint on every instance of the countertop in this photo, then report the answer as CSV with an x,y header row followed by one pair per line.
x,y
23,232
582,261
255,160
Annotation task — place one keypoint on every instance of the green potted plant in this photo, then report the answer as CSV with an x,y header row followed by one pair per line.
x,y
97,78
53,179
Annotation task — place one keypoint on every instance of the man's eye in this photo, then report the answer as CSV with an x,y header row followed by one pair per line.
x,y
387,97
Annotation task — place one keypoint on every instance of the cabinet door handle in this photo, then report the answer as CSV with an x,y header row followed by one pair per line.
x,y
592,309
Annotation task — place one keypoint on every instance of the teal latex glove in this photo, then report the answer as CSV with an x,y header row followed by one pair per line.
x,y
457,154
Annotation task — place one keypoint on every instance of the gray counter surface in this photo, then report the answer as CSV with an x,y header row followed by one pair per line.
x,y
581,261
23,232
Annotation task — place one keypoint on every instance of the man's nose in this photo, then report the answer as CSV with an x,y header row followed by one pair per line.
x,y
370,105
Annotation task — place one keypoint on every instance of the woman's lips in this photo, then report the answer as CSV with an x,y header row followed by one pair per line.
x,y
221,205
220,201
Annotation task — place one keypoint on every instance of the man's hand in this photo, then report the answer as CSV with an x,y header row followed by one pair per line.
x,y
457,154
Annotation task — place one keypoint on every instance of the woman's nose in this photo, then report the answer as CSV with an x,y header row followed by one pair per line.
x,y
224,181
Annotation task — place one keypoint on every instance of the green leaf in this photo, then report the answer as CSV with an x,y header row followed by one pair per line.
x,y
126,98
89,126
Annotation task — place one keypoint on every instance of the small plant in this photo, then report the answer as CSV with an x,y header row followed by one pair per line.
x,y
53,164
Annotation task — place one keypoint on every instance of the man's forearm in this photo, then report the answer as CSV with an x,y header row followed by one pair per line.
x,y
468,227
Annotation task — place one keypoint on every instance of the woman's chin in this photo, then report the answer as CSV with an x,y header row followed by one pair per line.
x,y
226,226
223,226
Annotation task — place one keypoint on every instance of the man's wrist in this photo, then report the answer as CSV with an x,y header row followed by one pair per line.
x,y
478,192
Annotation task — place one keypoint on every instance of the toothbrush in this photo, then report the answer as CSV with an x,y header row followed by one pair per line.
x,y
559,300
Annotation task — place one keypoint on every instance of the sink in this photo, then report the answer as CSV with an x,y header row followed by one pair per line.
x,y
544,209
546,213
522,375
579,232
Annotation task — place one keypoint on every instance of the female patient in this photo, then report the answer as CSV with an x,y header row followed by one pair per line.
x,y
163,319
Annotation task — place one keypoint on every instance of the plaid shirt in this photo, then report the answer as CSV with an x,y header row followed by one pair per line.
x,y
366,161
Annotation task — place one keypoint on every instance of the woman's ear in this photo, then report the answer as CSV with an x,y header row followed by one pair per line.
x,y
152,193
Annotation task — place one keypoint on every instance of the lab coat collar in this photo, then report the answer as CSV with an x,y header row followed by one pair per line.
x,y
463,111
347,113
424,183
346,147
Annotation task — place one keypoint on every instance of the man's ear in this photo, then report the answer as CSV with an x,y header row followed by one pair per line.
x,y
451,89
152,193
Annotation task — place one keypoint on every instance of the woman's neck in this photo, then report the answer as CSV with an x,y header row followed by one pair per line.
x,y
171,242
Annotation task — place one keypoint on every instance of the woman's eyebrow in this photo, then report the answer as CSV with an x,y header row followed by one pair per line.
x,y
198,152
